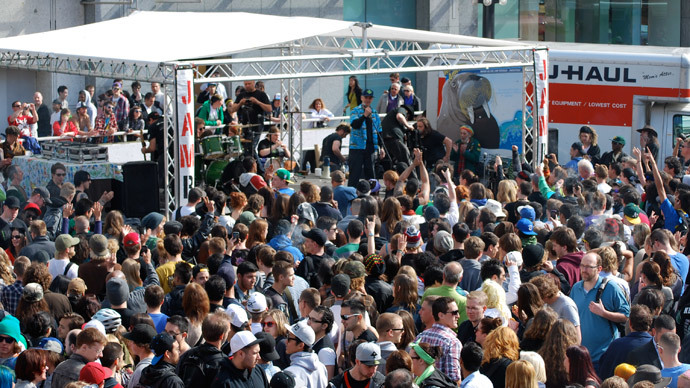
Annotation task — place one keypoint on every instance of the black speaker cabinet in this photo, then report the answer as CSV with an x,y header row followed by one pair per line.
x,y
140,189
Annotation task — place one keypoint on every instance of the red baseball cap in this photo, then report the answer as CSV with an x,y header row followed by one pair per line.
x,y
131,239
94,373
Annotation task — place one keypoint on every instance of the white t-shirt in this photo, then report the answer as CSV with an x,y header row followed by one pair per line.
x,y
57,267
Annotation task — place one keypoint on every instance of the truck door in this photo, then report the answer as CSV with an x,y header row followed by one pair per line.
x,y
676,123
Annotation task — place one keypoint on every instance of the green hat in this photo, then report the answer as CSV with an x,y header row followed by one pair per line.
x,y
632,213
284,175
9,326
246,218
619,139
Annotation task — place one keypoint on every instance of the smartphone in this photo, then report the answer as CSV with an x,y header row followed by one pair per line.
x,y
144,250
235,235
554,214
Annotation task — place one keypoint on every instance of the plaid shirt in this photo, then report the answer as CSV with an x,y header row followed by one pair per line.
x,y
121,109
105,124
446,338
10,296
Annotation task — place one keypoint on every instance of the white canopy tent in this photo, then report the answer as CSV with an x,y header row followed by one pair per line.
x,y
308,47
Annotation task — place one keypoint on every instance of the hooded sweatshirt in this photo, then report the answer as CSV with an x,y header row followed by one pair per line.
x,y
160,375
309,372
90,108
281,242
569,265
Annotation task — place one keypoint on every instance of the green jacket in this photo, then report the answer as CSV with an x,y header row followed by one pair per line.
x,y
472,154
206,109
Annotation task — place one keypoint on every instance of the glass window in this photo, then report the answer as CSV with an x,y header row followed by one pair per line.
x,y
681,125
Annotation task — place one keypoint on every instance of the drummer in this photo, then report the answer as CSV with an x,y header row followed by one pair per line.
x,y
199,126
271,146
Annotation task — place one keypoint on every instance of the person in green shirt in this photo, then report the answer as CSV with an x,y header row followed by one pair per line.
x,y
452,274
354,233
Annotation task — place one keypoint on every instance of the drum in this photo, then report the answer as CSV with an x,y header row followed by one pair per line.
x,y
233,146
214,171
212,147
198,167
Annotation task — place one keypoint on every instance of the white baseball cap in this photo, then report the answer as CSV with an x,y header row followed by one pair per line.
x,y
302,331
238,315
241,340
95,323
257,303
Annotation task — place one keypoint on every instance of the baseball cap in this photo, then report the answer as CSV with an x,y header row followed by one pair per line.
x,y
494,207
44,193
316,235
51,344
363,187
94,324
99,245
257,303
527,212
619,139
131,239
367,93
267,345
632,213
306,211
33,292
526,227
578,147
284,175
375,185
13,202
303,331
160,344
81,104
64,241
282,380
94,373
142,333
32,205
238,315
277,97
340,285
369,353
241,340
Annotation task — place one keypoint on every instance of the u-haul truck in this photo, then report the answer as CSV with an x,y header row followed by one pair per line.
x,y
617,90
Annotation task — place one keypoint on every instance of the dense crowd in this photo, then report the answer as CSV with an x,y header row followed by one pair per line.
x,y
423,272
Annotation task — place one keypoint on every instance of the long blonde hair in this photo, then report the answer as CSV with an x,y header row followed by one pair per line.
x,y
496,298
507,191
131,268
521,374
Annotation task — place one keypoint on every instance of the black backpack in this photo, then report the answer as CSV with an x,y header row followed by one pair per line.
x,y
197,370
61,282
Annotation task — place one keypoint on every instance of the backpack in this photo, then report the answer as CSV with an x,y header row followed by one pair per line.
x,y
196,370
61,282
597,298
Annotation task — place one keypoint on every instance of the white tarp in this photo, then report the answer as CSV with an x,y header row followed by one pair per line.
x,y
122,39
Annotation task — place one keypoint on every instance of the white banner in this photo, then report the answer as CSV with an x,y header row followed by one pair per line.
x,y
541,96
185,134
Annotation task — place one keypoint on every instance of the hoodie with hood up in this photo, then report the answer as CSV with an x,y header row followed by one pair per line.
x,y
309,372
160,375
281,242
90,108
569,265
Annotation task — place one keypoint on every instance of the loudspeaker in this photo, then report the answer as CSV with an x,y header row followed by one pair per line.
x,y
140,189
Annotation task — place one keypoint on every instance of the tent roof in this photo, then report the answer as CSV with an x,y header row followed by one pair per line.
x,y
121,39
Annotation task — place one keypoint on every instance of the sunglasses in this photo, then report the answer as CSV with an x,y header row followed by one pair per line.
x,y
314,320
454,312
401,329
268,324
63,174
7,340
346,317
293,339
16,236
16,106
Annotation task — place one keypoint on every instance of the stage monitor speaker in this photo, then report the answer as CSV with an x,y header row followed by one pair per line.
x,y
140,189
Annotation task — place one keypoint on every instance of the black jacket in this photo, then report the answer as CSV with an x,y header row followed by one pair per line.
x,y
645,354
191,245
173,302
230,377
198,366
495,370
438,379
160,375
339,381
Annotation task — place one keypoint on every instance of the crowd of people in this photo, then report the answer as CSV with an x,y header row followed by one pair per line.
x,y
564,275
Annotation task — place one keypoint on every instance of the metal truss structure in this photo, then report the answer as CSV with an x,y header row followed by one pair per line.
x,y
313,57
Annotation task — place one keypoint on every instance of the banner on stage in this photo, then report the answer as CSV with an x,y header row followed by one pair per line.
x,y
185,132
